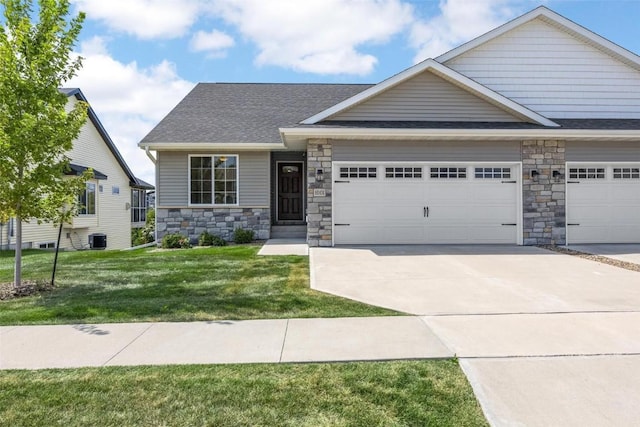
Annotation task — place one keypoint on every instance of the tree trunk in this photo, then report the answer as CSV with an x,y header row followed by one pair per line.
x,y
17,272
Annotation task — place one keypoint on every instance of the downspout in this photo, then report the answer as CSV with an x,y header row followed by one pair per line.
x,y
155,163
150,156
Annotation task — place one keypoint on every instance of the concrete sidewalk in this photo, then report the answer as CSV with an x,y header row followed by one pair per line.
x,y
251,341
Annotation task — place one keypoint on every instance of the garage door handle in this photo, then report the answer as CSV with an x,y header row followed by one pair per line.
x,y
425,212
573,224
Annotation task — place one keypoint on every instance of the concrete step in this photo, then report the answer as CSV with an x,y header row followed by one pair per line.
x,y
288,231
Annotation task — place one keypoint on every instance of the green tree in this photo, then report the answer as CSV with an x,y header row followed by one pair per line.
x,y
36,126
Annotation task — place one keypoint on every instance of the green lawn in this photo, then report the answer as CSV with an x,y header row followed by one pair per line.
x,y
410,393
178,285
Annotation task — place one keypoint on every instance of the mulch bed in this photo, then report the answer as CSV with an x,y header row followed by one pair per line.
x,y
27,288
598,258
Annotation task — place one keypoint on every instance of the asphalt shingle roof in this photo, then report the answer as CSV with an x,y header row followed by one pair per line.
x,y
246,112
253,113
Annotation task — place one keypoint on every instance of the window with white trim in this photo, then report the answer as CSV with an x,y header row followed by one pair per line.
x,y
358,172
626,173
213,180
87,200
449,172
403,172
138,205
586,173
492,173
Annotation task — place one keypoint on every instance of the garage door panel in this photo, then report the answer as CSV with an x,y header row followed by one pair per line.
x,y
605,210
502,196
374,234
496,235
401,208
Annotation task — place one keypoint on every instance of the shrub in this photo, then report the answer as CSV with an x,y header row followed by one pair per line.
x,y
175,241
243,236
208,239
146,234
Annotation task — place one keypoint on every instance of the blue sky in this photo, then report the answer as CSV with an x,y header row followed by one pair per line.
x,y
143,56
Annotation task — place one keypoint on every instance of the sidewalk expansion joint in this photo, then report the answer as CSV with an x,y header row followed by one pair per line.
x,y
128,344
284,340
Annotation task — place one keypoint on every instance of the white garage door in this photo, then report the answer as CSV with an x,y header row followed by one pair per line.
x,y
603,203
425,203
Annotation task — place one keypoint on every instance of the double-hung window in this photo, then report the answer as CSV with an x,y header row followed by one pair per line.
x,y
138,205
213,180
87,200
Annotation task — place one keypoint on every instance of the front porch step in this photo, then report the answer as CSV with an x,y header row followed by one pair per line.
x,y
288,231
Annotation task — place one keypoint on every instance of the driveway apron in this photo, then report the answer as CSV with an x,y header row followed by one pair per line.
x,y
544,338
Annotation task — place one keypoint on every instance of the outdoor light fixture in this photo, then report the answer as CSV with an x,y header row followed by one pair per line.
x,y
319,175
557,175
534,175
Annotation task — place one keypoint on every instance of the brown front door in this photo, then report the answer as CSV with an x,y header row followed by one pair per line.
x,y
290,192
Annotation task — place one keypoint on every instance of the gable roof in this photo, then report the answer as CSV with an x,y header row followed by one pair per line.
x,y
91,114
445,73
244,113
554,19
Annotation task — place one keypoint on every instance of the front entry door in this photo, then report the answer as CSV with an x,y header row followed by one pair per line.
x,y
290,192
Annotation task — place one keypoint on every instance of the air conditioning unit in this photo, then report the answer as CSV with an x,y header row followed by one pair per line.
x,y
98,241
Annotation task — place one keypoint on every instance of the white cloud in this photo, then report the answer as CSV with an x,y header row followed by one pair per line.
x,y
317,36
459,22
145,19
215,43
129,100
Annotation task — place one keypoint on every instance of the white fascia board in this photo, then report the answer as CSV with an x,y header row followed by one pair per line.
x,y
555,19
238,146
448,74
360,133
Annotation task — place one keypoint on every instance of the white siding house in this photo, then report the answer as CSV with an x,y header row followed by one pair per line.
x,y
107,200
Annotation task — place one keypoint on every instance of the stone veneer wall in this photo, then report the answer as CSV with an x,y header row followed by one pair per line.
x,y
319,155
544,207
221,222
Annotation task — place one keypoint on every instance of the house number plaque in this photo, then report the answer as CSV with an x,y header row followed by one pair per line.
x,y
319,192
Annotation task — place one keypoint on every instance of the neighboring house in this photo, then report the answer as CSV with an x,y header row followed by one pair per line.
x,y
529,134
109,201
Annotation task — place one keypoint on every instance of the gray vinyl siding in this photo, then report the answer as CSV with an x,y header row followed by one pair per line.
x,y
172,186
254,179
173,177
446,151
426,97
594,151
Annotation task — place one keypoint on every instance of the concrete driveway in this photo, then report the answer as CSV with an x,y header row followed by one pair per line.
x,y
442,279
544,338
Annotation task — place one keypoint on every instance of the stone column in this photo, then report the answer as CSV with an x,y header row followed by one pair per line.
x,y
543,194
319,215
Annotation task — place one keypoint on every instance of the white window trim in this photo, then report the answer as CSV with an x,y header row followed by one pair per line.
x,y
95,194
212,205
